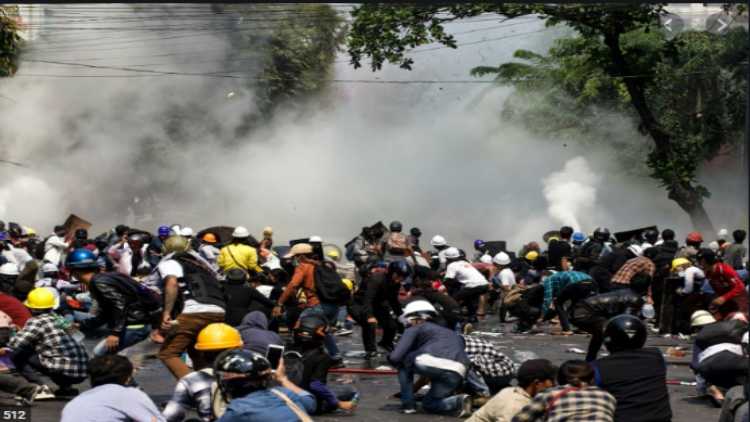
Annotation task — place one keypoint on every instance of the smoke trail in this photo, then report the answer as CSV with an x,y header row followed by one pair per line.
x,y
571,192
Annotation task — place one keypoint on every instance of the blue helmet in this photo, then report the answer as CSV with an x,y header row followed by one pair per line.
x,y
163,231
399,267
478,244
3,236
81,259
578,237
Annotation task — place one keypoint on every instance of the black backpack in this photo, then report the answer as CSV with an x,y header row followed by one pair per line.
x,y
201,281
329,286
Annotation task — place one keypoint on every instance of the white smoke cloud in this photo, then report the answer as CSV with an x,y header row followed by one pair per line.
x,y
571,192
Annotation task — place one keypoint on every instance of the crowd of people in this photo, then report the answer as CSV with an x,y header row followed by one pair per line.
x,y
248,329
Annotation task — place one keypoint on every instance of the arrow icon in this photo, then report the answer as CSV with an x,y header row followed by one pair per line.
x,y
723,25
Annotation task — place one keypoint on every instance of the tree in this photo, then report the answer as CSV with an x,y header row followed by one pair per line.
x,y
10,44
384,32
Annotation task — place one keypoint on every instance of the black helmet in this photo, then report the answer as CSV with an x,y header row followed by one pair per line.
x,y
651,236
81,234
601,234
239,372
311,330
624,332
399,267
395,226
415,232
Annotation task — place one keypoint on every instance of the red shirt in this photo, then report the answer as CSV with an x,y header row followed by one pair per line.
x,y
725,281
15,309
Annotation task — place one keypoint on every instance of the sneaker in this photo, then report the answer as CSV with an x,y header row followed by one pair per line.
x,y
409,411
343,332
42,392
465,408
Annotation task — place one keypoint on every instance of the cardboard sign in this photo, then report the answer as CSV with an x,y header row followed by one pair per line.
x,y
73,223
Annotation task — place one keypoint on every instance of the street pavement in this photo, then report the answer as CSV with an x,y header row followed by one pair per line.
x,y
377,406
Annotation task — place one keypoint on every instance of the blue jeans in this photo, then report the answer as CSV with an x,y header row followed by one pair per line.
x,y
476,383
128,338
329,312
440,398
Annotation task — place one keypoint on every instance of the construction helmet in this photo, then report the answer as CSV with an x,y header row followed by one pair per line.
x,y
452,253
701,318
694,237
723,234
209,238
333,254
501,258
578,237
176,243
41,298
81,259
601,234
479,244
624,332
49,268
163,231
240,232
218,336
187,231
531,256
9,269
395,226
651,236
28,231
485,259
418,309
438,240
679,262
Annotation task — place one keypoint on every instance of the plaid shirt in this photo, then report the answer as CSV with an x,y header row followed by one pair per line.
x,y
487,360
57,350
192,391
588,404
632,267
555,283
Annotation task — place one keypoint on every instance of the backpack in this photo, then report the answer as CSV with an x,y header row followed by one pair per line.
x,y
201,281
728,331
329,286
397,243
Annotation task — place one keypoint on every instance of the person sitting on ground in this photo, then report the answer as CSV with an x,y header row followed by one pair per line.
x,y
240,296
735,406
239,254
575,399
255,333
534,376
45,345
195,389
308,340
641,395
112,396
436,353
244,379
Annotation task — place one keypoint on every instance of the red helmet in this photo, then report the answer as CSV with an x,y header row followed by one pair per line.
x,y
694,237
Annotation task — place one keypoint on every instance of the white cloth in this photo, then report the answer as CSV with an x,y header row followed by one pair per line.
x,y
466,274
170,267
721,347
507,278
692,275
19,256
54,248
426,359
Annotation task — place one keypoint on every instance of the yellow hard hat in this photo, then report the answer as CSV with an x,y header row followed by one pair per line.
x,y
348,283
532,256
680,262
334,254
29,231
41,298
218,336
176,244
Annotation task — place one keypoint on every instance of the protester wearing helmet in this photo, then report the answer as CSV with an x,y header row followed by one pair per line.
x,y
650,237
692,246
449,311
396,244
641,395
244,379
438,260
155,249
124,305
308,341
238,253
686,291
433,352
241,298
208,249
45,344
376,303
597,247
503,281
464,282
414,235
194,390
729,290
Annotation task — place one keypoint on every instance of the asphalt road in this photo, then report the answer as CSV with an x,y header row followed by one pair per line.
x,y
375,404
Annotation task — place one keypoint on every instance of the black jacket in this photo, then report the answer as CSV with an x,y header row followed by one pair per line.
x,y
118,301
607,305
242,299
447,307
377,291
556,251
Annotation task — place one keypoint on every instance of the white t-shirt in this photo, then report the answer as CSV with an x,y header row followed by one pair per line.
x,y
507,278
692,275
466,274
170,267
54,249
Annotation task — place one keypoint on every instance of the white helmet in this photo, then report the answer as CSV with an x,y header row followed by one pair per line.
x,y
49,267
421,309
175,230
714,246
9,268
485,259
501,258
636,249
701,318
315,239
240,232
187,232
438,240
452,253
723,234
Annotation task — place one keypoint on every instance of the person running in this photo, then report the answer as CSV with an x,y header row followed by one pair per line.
x,y
112,396
641,395
435,353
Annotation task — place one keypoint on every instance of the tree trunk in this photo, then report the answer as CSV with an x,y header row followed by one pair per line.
x,y
687,197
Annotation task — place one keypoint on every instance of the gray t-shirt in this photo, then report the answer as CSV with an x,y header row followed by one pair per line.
x,y
111,403
734,255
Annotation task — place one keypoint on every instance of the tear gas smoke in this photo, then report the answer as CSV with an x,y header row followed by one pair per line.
x,y
436,156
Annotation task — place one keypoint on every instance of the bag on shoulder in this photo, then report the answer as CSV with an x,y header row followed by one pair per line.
x,y
200,279
329,286
397,243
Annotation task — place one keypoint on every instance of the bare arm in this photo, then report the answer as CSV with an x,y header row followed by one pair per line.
x,y
170,296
